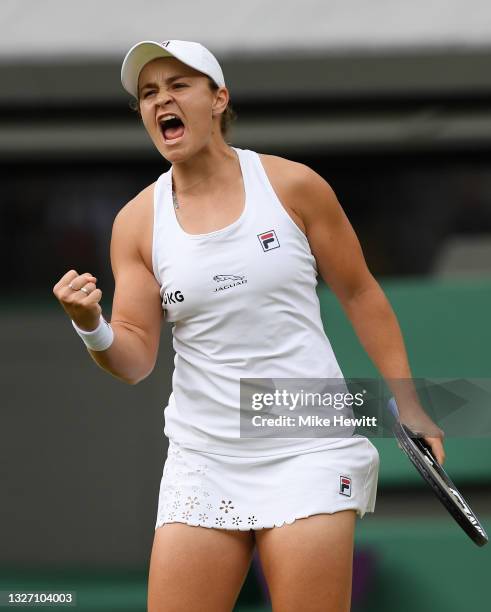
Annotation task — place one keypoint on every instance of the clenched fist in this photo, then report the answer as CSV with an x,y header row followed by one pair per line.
x,y
80,298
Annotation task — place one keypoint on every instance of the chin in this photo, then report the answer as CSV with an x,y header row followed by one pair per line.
x,y
175,156
171,154
182,153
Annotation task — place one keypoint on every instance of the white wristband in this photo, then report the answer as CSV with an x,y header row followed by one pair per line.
x,y
100,338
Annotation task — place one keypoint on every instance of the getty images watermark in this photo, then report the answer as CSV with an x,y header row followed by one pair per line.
x,y
302,399
336,407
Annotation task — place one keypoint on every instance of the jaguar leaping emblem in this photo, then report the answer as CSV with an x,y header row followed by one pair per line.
x,y
226,277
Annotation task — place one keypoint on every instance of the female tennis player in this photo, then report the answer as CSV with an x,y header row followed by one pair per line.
x,y
227,245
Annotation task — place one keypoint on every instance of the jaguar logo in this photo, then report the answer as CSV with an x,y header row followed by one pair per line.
x,y
232,280
224,277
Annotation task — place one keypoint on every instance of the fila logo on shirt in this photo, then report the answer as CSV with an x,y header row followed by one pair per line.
x,y
268,240
171,297
345,486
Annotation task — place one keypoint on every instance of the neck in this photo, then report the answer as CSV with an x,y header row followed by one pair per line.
x,y
204,171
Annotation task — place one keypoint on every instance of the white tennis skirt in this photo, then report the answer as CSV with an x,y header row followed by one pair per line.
x,y
229,492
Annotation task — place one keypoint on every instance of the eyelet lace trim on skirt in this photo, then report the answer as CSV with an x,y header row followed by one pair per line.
x,y
186,497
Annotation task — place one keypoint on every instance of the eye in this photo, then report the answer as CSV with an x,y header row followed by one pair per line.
x,y
180,85
148,93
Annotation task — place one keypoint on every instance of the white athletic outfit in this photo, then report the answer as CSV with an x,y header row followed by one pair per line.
x,y
243,303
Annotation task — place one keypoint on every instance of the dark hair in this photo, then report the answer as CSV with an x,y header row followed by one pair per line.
x,y
228,116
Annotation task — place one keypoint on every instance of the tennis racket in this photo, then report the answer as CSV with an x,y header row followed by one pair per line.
x,y
421,456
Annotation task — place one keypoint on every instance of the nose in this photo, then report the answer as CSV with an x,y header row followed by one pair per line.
x,y
162,97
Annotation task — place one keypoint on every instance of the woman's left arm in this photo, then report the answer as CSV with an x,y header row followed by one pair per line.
x,y
341,264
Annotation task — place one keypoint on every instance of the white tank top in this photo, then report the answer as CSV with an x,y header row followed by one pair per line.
x,y
243,303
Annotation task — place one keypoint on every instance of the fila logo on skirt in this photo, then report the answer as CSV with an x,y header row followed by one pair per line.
x,y
345,486
268,240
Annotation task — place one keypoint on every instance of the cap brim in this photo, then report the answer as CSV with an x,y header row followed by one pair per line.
x,y
139,55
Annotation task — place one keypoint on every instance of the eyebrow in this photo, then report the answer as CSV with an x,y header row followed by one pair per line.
x,y
167,81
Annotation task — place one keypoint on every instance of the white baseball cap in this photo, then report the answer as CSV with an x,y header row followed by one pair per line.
x,y
190,53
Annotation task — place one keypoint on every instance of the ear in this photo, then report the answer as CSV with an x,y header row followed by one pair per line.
x,y
220,102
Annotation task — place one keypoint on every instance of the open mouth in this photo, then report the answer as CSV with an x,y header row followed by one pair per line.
x,y
172,129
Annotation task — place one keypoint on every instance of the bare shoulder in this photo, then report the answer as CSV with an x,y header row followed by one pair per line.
x,y
137,208
287,169
294,174
300,189
133,225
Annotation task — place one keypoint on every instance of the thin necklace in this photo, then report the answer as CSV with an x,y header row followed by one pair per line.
x,y
174,200
174,197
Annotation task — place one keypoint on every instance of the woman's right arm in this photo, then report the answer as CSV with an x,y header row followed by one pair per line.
x,y
137,309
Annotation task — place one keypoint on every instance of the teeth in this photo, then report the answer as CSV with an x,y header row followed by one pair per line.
x,y
168,117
